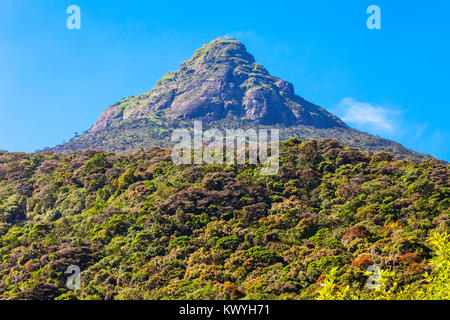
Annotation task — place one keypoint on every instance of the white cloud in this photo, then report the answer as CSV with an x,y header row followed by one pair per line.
x,y
372,118
241,35
393,123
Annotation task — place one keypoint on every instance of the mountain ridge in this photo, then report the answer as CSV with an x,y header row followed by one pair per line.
x,y
223,85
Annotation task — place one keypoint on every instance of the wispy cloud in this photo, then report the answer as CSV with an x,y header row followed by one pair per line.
x,y
393,123
242,35
366,116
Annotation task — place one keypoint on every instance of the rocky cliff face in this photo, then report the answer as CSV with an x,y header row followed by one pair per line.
x,y
221,79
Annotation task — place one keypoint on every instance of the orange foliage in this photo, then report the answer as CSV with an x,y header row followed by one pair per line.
x,y
353,233
362,262
410,258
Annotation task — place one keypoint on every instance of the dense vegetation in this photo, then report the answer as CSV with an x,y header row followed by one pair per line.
x,y
140,227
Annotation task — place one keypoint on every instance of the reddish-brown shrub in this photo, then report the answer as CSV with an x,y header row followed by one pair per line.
x,y
353,233
362,262
410,258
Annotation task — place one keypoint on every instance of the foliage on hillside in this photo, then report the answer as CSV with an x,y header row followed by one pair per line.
x,y
140,227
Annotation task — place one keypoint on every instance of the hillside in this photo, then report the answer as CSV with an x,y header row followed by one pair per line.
x,y
223,86
140,227
134,135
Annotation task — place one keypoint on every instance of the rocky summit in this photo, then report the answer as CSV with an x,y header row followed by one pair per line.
x,y
223,86
222,79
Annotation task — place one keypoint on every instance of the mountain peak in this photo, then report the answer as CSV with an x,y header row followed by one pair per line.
x,y
221,79
221,50
222,84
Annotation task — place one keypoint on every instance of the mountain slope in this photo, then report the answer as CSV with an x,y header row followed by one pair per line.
x,y
138,134
223,86
139,226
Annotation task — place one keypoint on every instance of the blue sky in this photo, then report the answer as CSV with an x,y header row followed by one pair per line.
x,y
392,82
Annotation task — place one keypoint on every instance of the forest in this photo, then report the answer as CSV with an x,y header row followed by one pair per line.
x,y
140,227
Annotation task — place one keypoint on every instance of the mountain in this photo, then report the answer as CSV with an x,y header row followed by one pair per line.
x,y
135,225
222,85
222,79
